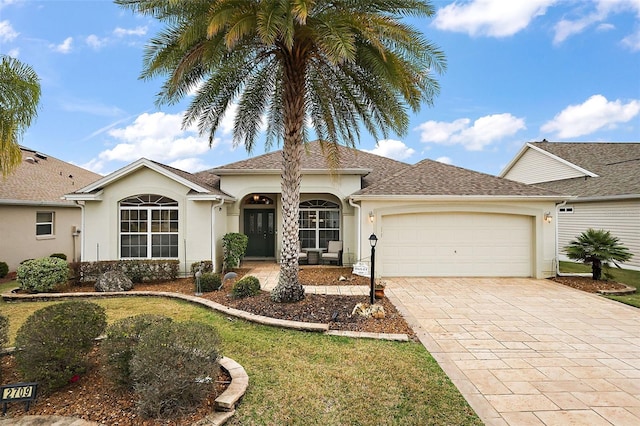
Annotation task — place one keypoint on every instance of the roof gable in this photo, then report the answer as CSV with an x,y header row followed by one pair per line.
x,y
40,178
196,184
614,167
432,178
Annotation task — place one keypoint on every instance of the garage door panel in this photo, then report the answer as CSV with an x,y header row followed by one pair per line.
x,y
456,244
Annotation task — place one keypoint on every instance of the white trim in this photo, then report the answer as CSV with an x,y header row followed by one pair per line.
x,y
352,171
96,196
357,197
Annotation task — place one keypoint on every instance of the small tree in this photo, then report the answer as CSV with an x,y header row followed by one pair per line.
x,y
597,247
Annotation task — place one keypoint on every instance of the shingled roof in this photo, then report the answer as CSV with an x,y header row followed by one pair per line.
x,y
432,178
616,164
43,179
373,167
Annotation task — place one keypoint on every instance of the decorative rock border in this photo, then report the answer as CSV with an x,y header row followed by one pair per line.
x,y
618,292
259,319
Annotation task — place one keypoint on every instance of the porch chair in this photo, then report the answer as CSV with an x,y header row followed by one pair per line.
x,y
302,255
333,253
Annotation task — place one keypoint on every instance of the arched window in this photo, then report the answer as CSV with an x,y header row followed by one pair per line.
x,y
148,227
319,223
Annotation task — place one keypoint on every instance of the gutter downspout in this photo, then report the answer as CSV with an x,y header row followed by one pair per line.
x,y
81,205
357,206
214,252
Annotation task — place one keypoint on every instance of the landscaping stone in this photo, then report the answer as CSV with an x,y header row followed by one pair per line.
x,y
113,281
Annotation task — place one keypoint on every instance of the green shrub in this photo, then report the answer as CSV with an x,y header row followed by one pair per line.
x,y
207,266
245,287
54,341
174,367
42,275
234,246
59,256
4,269
210,282
122,339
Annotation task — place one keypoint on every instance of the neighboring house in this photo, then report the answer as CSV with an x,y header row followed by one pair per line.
x,y
34,219
431,219
605,177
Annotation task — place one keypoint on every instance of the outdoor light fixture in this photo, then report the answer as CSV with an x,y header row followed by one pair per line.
x,y
547,217
372,217
256,197
373,240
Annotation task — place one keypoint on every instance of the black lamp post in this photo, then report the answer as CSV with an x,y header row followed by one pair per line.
x,y
373,240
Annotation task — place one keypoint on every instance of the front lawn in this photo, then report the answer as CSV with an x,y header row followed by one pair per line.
x,y
625,276
309,378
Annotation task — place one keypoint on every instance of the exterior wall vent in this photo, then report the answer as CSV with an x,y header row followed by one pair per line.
x,y
30,160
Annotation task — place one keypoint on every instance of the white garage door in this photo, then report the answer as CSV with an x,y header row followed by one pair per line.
x,y
456,244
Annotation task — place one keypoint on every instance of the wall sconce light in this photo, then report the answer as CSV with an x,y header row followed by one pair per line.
x,y
547,217
256,197
372,216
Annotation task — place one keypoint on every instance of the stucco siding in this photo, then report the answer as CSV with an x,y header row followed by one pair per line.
x,y
20,242
101,236
621,218
535,167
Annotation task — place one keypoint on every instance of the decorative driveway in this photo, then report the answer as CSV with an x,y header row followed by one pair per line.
x,y
529,352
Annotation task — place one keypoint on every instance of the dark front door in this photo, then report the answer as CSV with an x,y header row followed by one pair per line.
x,y
259,226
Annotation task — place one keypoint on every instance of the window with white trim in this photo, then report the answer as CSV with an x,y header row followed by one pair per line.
x,y
148,227
44,223
319,223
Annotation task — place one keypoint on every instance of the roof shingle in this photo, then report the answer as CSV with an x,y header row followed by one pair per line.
x,y
617,165
45,179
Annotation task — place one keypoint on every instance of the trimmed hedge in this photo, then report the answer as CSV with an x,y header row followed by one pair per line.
x,y
53,343
174,367
4,269
119,346
142,270
210,282
245,287
207,266
42,275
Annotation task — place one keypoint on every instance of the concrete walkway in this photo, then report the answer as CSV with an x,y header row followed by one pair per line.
x,y
529,352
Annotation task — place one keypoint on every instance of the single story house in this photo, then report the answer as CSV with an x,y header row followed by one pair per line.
x,y
604,177
34,219
431,219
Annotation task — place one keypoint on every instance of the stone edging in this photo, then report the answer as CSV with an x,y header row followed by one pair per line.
x,y
619,292
259,319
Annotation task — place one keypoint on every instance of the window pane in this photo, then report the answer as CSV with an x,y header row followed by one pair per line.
x,y
44,229
44,217
326,236
307,239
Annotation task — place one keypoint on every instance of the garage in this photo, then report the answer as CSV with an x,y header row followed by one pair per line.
x,y
464,244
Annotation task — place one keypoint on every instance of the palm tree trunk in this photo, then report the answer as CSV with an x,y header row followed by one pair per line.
x,y
289,288
596,269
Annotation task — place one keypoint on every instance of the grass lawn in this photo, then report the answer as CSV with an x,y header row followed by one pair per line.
x,y
309,378
625,276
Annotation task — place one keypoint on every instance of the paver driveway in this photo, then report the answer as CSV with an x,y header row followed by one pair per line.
x,y
529,352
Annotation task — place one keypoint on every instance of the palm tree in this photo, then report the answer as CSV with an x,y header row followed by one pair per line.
x,y
597,247
19,97
334,66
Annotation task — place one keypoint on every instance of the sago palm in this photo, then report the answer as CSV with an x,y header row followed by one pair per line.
x,y
597,247
331,67
19,98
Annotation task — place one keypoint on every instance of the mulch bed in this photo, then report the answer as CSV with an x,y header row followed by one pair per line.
x,y
588,284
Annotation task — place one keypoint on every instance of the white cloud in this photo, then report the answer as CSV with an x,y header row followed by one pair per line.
x,y
89,107
156,136
190,165
138,31
7,33
64,47
484,131
96,42
444,160
594,114
393,149
494,18
14,53
632,41
603,8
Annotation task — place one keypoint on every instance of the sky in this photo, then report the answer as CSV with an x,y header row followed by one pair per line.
x,y
517,71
